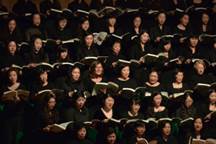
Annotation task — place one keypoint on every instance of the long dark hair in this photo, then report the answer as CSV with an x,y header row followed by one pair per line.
x,y
50,116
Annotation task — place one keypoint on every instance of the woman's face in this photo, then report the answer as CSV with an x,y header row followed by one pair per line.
x,y
157,100
137,22
36,20
135,107
188,102
214,45
62,23
85,25
185,20
153,77
116,48
198,125
76,74
12,25
89,39
167,47
212,97
80,102
38,44
99,69
205,19
51,103
200,68
144,38
166,129
81,134
44,77
109,102
12,47
194,42
112,21
140,131
125,72
63,55
111,138
13,77
179,77
161,18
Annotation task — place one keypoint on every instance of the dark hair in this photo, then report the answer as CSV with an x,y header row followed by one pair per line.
x,y
162,124
164,42
78,94
83,19
12,18
105,96
139,124
155,94
61,50
78,126
108,131
48,96
137,16
73,128
116,41
143,31
135,101
182,15
87,33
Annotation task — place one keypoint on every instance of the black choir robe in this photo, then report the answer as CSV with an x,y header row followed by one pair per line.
x,y
22,7
75,5
171,140
12,118
151,89
76,141
99,4
136,51
73,114
157,32
127,116
185,113
46,5
211,55
84,51
33,57
15,35
44,118
68,84
110,71
8,60
35,31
